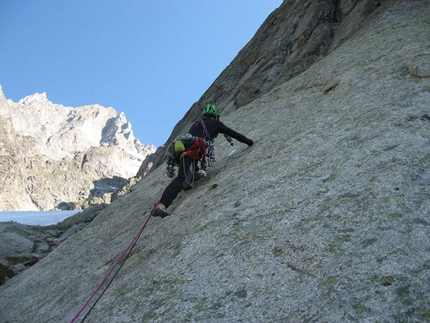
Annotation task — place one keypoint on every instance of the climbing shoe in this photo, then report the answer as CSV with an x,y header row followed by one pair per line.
x,y
160,211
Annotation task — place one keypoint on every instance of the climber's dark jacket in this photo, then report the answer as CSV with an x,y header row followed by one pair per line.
x,y
216,127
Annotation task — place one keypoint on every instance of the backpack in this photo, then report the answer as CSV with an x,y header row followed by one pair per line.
x,y
176,148
200,149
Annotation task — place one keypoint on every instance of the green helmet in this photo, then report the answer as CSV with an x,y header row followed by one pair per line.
x,y
211,109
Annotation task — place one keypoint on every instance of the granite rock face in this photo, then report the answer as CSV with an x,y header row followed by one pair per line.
x,y
293,37
54,156
324,219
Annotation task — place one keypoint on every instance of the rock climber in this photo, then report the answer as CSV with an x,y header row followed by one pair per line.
x,y
204,132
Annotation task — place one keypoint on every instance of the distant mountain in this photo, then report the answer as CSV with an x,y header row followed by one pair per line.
x,y
52,156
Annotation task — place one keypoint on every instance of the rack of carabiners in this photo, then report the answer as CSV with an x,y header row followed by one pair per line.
x,y
210,156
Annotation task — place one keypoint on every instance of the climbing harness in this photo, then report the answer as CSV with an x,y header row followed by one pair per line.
x,y
121,260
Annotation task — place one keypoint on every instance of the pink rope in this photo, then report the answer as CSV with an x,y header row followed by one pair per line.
x,y
120,259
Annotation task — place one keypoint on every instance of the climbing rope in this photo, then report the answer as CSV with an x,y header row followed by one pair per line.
x,y
120,262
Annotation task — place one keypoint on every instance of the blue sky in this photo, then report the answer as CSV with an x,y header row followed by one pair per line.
x,y
149,59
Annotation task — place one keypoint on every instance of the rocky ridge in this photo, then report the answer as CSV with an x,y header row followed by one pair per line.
x,y
57,157
325,219
22,245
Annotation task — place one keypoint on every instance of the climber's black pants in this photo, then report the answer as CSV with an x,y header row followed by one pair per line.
x,y
184,180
